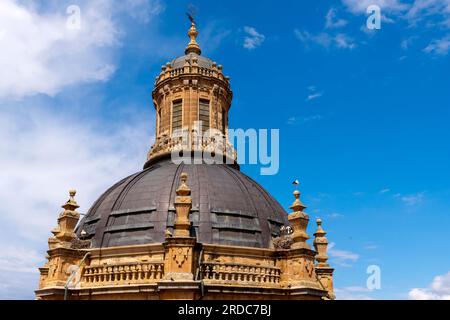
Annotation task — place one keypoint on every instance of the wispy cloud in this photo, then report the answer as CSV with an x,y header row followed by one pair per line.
x,y
406,43
213,34
383,191
412,199
253,39
343,41
439,289
331,20
19,259
296,120
335,215
370,246
326,40
439,47
313,93
424,13
342,258
360,6
144,10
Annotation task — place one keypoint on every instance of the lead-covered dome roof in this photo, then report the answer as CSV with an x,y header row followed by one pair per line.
x,y
203,62
228,208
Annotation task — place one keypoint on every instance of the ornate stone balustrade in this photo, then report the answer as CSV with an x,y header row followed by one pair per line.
x,y
120,274
165,144
168,73
244,274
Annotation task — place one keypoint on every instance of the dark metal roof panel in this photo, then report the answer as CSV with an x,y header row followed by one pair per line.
x,y
227,208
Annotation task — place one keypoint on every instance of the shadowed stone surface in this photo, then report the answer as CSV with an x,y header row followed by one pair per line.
x,y
228,208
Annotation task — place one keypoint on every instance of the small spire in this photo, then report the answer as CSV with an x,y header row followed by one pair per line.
x,y
193,46
183,205
183,189
319,232
321,245
297,205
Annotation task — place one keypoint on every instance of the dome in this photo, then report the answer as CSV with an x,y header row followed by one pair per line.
x,y
228,208
203,62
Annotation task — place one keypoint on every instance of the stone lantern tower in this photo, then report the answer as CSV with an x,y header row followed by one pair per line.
x,y
186,230
192,98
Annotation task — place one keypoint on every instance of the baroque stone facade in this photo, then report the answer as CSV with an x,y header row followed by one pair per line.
x,y
134,244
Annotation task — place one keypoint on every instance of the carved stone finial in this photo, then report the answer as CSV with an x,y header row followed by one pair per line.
x,y
297,205
193,46
299,222
67,221
183,189
321,244
71,204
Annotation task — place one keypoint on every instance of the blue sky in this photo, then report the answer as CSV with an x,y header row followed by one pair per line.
x,y
363,118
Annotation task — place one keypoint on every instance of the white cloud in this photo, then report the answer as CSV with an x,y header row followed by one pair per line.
x,y
353,293
360,6
345,42
342,258
19,259
331,22
42,155
326,40
412,199
386,190
59,152
253,39
314,95
439,46
144,10
323,39
41,55
424,8
439,289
